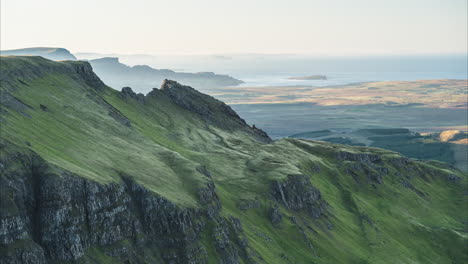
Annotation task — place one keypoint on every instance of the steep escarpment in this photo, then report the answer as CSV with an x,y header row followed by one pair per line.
x,y
51,214
18,71
89,174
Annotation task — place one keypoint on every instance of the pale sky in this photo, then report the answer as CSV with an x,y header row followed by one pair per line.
x,y
329,27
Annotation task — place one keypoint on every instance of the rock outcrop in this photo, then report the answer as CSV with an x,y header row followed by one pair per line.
x,y
297,193
127,92
210,109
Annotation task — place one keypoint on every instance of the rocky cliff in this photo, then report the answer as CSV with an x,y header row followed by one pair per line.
x,y
89,174
49,214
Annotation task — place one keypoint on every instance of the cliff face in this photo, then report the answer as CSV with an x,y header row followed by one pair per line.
x,y
49,214
92,175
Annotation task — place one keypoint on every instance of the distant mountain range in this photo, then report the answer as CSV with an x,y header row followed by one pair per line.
x,y
141,78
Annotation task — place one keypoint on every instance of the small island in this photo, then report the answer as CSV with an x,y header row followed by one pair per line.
x,y
311,77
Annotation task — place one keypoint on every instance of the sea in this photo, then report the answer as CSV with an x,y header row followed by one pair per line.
x,y
274,70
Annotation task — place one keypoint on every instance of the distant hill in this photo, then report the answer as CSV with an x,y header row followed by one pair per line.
x,y
56,54
143,78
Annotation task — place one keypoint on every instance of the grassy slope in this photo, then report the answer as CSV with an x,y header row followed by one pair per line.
x,y
384,223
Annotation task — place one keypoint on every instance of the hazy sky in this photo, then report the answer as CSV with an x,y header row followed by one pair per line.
x,y
239,26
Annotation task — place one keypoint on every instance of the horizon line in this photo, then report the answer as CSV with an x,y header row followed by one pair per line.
x,y
317,54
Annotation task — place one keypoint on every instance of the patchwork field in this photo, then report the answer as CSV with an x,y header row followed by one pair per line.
x,y
428,93
421,106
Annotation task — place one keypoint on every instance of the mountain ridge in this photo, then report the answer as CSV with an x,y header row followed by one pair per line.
x,y
94,175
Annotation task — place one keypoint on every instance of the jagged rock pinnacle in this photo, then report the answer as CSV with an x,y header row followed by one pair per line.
x,y
211,109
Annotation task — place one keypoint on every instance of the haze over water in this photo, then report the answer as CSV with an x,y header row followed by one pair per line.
x,y
274,70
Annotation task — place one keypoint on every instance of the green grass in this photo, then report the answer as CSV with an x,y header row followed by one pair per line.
x,y
372,223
